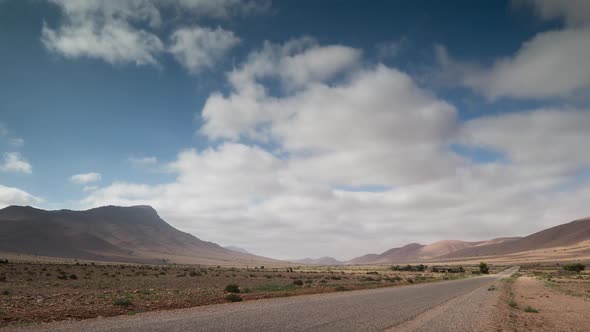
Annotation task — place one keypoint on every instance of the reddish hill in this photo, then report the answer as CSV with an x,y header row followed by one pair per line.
x,y
559,236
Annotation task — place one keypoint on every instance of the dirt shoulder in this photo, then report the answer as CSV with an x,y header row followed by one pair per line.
x,y
530,305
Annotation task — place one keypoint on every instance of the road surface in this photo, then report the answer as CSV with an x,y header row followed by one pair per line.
x,y
457,305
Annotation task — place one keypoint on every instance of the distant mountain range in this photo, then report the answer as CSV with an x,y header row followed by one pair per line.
x,y
110,233
319,261
138,235
573,236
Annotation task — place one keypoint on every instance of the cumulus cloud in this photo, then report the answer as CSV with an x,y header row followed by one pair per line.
x,y
197,48
573,12
85,178
552,64
14,162
122,32
338,130
15,196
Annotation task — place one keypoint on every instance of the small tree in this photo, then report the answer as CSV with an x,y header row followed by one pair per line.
x,y
576,267
483,268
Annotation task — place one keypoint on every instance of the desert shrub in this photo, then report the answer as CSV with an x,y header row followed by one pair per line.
x,y
513,304
323,281
5,292
341,289
62,277
483,268
298,282
3,261
2,278
122,302
531,309
576,267
195,274
233,298
419,268
73,276
410,280
232,288
308,281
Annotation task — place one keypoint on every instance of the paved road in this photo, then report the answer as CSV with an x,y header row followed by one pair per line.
x,y
415,307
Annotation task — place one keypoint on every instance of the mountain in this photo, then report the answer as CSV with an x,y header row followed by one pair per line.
x,y
413,252
319,261
563,235
110,233
563,242
237,249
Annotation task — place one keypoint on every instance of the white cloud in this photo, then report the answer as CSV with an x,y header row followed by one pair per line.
x,y
14,162
85,178
115,42
121,32
15,196
197,47
574,12
540,137
552,64
354,126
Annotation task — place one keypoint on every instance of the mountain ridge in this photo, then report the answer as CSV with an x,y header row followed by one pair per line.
x,y
112,233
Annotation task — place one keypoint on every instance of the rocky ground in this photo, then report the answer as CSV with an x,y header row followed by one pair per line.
x,y
44,292
545,300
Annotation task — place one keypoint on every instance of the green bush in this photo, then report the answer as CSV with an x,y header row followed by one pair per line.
x,y
298,282
483,268
122,302
576,267
232,288
233,298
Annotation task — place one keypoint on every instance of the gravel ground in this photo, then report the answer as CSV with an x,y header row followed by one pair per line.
x,y
539,308
365,310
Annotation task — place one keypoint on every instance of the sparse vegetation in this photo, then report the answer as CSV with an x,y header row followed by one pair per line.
x,y
118,289
232,288
233,298
483,268
122,302
576,267
531,309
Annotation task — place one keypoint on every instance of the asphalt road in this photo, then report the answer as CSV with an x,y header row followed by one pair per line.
x,y
455,305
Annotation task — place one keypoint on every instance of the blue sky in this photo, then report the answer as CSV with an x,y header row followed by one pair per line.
x,y
334,121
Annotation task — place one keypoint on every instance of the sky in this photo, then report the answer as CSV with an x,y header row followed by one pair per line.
x,y
301,128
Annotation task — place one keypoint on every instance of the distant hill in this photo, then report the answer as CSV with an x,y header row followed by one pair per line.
x,y
237,249
564,235
110,233
574,235
319,261
415,252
